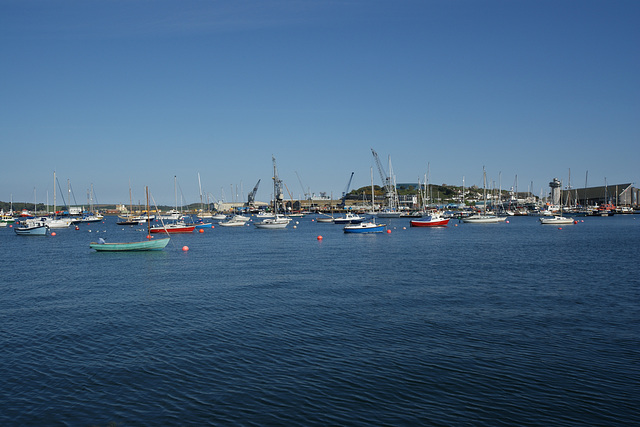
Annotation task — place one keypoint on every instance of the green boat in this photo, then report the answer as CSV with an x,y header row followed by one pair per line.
x,y
149,245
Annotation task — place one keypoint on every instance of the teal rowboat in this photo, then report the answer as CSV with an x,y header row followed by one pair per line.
x,y
149,245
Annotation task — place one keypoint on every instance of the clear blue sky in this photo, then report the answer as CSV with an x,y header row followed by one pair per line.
x,y
140,91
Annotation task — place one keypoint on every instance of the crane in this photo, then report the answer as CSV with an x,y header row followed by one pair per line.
x,y
306,193
252,196
346,190
278,196
387,182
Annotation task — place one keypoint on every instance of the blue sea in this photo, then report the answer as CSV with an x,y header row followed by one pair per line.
x,y
513,324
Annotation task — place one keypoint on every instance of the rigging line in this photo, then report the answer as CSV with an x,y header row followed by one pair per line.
x,y
62,194
159,216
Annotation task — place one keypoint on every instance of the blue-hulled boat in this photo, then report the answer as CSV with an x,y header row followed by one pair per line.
x,y
364,227
32,228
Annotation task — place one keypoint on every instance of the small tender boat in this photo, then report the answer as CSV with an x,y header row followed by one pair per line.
x,y
349,219
31,228
325,218
148,245
435,220
556,220
364,227
200,225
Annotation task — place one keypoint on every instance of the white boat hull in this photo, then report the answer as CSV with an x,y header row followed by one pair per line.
x,y
483,219
557,220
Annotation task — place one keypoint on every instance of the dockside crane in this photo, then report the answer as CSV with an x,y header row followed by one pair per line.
x,y
252,196
307,196
346,191
387,182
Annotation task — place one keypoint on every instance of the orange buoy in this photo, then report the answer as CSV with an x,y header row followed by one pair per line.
x,y
388,231
185,248
319,237
201,231
53,233
559,228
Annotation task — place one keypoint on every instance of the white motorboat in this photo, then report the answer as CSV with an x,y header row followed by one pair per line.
x,y
57,222
278,222
235,221
483,219
349,218
556,220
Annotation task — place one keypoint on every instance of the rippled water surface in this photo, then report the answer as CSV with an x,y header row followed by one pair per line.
x,y
503,324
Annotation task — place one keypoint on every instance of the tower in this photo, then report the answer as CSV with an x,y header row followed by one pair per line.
x,y
556,188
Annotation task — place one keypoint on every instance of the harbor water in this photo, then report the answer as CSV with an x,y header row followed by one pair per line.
x,y
472,324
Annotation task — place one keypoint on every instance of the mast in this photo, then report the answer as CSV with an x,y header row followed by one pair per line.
x,y
54,194
200,188
373,197
146,189
175,189
484,186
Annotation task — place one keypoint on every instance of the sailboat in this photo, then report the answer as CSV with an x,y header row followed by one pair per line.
x,y
483,218
55,222
179,225
149,245
32,226
279,221
129,218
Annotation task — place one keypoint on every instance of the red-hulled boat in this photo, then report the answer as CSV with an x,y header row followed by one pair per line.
x,y
178,227
435,220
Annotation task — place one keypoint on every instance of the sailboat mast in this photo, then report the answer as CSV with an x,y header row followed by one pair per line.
x,y
373,197
146,189
54,193
484,186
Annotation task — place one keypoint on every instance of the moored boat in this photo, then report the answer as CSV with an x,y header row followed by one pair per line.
x,y
556,220
31,228
176,227
349,218
235,221
148,245
484,219
364,227
278,222
434,220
